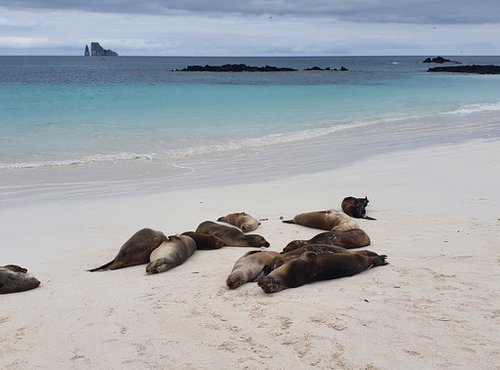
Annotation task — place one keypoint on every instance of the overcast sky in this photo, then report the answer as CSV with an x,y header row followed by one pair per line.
x,y
251,27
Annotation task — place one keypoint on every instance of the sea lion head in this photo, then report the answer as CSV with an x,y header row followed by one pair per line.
x,y
257,241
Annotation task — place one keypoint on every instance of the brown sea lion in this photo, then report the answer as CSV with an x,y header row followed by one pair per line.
x,y
136,250
325,220
248,267
242,220
171,253
310,267
205,241
232,236
356,207
15,279
354,238
317,248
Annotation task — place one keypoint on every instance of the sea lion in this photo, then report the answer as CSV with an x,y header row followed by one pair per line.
x,y
242,220
354,238
310,267
232,236
317,248
136,250
325,220
248,267
171,253
205,241
356,207
15,279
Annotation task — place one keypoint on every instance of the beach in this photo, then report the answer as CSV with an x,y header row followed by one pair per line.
x,y
435,306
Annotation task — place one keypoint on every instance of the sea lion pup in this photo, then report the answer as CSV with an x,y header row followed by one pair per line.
x,y
232,236
15,279
310,267
242,220
171,253
205,241
356,207
248,267
136,250
331,220
316,248
354,238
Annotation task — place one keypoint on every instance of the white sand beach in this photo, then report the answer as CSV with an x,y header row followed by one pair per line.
x,y
435,306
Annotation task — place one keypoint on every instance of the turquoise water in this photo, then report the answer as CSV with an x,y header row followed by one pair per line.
x,y
62,111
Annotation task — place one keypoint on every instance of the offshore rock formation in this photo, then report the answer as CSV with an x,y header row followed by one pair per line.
x,y
234,68
439,60
480,69
316,68
97,50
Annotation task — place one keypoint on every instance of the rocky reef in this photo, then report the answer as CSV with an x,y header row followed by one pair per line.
x,y
479,69
316,68
246,68
97,50
439,60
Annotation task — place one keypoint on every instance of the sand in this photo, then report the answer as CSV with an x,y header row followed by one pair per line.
x,y
435,306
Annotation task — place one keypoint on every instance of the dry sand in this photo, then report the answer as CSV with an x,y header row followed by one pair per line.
x,y
435,306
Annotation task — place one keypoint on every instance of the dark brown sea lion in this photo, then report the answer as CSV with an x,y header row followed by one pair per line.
x,y
15,279
316,248
136,250
356,207
205,241
310,267
232,236
354,238
242,220
248,267
325,220
171,253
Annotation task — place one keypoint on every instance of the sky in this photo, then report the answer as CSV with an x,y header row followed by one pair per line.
x,y
251,27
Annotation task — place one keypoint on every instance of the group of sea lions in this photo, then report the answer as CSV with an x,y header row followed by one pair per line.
x,y
325,256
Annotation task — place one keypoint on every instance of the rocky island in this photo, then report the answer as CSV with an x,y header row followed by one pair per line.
x,y
97,50
479,69
245,68
439,60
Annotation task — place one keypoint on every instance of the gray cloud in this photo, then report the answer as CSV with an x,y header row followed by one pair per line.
x,y
371,11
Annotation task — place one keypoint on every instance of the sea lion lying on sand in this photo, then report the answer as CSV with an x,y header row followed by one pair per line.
x,y
205,241
311,266
242,220
354,238
331,220
232,236
14,278
136,250
248,267
356,207
171,253
316,248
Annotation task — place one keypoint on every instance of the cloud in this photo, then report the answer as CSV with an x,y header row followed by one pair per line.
x,y
359,11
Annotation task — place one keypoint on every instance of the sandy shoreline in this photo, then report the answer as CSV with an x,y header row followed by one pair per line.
x,y
436,306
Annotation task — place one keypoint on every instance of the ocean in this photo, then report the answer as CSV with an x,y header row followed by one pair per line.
x,y
80,126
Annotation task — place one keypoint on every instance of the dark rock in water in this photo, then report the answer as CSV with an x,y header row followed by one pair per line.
x,y
234,68
439,60
97,50
316,68
87,52
479,69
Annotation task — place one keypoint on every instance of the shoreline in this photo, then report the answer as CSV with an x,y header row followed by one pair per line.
x,y
247,164
434,306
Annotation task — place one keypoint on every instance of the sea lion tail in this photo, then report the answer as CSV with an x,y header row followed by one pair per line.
x,y
102,268
380,260
369,218
288,221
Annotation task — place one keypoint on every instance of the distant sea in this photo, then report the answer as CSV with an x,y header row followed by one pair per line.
x,y
75,120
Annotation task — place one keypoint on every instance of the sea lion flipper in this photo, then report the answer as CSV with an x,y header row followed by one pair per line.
x,y
380,260
370,218
288,221
102,268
